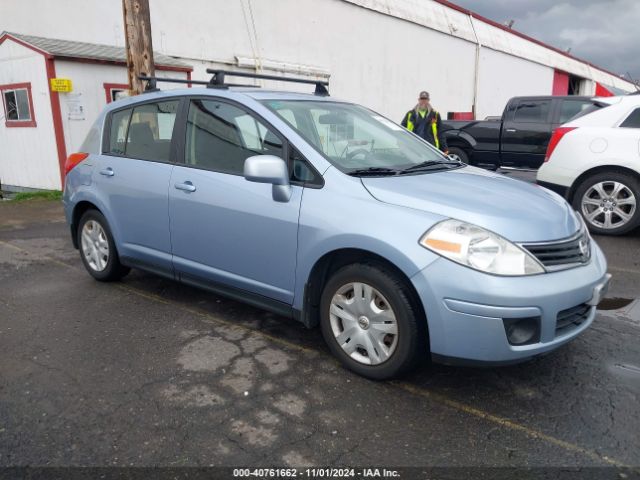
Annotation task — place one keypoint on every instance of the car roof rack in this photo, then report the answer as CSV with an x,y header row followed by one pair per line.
x,y
153,81
218,80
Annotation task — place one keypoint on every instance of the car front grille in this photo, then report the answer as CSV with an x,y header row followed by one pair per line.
x,y
572,317
562,254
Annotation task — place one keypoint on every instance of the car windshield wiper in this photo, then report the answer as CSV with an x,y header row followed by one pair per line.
x,y
373,171
429,164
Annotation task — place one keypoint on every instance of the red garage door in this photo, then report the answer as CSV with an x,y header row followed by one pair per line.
x,y
560,83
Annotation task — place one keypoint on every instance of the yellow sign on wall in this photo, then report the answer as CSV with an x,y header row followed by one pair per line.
x,y
61,85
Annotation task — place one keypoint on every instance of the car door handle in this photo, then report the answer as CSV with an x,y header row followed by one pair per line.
x,y
107,172
186,186
511,130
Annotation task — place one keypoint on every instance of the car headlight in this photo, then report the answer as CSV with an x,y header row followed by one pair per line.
x,y
479,249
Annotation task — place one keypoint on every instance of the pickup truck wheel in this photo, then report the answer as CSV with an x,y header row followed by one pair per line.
x,y
458,154
370,322
97,248
609,202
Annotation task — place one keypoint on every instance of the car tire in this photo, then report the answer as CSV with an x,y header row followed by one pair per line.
x,y
389,306
607,190
459,153
97,248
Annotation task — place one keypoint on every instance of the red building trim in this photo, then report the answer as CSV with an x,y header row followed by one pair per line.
x,y
186,70
56,114
19,123
602,91
560,83
113,86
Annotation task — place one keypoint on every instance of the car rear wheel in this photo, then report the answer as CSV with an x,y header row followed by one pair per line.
x,y
371,322
97,248
609,203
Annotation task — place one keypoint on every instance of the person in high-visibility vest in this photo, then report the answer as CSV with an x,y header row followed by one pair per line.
x,y
424,121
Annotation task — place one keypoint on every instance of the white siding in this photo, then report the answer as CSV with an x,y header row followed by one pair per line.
x,y
301,32
373,59
444,19
505,76
28,155
380,53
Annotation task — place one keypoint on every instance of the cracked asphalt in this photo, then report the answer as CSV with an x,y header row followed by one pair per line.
x,y
148,372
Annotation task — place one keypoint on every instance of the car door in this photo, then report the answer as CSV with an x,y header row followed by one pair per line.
x,y
228,233
132,176
526,132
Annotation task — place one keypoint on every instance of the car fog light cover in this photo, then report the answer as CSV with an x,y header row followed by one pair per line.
x,y
479,249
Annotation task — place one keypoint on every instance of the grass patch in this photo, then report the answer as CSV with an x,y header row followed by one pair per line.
x,y
41,195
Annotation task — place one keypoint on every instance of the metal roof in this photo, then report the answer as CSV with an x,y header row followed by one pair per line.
x,y
90,51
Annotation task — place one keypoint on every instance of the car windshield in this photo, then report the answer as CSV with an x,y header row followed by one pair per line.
x,y
359,141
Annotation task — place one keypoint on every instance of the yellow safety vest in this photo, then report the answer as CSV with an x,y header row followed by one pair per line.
x,y
434,127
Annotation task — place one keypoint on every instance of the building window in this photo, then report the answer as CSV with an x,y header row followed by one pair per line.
x,y
18,105
115,91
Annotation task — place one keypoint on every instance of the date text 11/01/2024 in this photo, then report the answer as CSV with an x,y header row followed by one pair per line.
x,y
315,473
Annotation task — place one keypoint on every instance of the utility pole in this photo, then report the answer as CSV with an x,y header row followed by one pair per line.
x,y
137,31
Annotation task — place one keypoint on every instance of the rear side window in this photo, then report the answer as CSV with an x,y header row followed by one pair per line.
x,y
532,111
150,130
118,131
144,132
221,137
633,120
571,108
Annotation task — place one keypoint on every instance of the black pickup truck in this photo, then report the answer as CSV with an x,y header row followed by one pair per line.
x,y
517,139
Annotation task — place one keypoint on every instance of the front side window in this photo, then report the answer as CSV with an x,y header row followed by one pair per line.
x,y
633,120
221,137
532,111
300,170
353,138
18,108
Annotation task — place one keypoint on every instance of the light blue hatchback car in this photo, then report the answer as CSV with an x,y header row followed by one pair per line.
x,y
327,212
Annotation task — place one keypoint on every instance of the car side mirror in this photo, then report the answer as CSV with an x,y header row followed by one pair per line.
x,y
269,169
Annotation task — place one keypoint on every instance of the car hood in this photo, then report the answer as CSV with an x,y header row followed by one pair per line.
x,y
519,211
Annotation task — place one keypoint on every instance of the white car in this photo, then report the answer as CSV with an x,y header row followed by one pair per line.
x,y
594,162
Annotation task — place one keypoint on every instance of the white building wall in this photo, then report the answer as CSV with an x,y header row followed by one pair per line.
x,y
217,30
28,155
373,59
88,92
502,76
378,52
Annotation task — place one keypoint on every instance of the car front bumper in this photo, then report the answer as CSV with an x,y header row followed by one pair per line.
x,y
465,309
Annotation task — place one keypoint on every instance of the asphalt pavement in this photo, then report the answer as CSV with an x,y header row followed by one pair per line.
x,y
150,372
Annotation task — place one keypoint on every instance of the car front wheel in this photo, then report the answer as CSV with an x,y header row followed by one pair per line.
x,y
371,322
609,203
